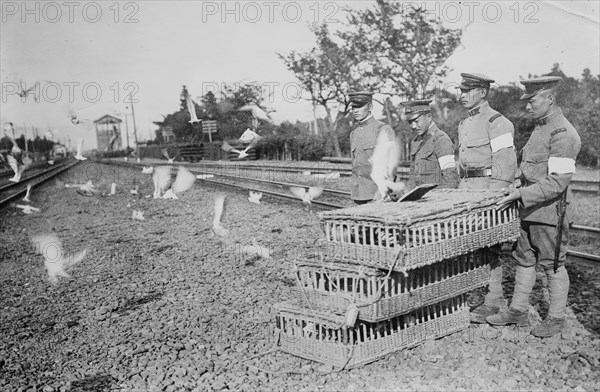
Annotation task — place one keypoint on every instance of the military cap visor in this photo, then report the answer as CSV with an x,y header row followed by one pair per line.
x,y
536,85
474,80
413,109
360,98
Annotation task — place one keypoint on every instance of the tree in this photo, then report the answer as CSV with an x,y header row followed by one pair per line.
x,y
324,72
399,49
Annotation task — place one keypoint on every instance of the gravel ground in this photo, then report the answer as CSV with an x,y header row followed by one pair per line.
x,y
162,305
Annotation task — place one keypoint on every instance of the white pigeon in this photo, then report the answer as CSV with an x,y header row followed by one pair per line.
x,y
307,195
183,181
147,170
255,197
16,167
87,189
51,162
28,210
55,260
256,250
166,155
384,162
169,194
135,191
79,155
138,215
217,227
26,198
241,154
162,180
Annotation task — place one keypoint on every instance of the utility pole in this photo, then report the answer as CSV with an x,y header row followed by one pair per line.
x,y
133,115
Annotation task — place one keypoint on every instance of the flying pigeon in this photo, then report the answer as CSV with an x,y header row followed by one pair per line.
x,y
28,210
306,195
16,167
55,260
137,214
79,155
384,161
166,155
241,154
255,197
87,189
26,198
23,93
256,111
184,180
217,228
192,109
147,170
162,180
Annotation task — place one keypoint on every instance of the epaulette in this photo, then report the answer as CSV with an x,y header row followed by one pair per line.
x,y
495,117
558,131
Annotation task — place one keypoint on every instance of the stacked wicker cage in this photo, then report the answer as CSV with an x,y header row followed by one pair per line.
x,y
388,276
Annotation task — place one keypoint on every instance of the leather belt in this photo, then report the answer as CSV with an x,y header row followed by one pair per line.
x,y
470,173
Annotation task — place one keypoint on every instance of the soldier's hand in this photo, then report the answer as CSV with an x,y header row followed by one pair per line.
x,y
510,196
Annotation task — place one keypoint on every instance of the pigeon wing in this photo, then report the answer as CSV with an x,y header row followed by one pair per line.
x,y
184,180
297,191
315,192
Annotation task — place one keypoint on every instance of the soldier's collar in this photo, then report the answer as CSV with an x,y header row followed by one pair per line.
x,y
477,109
549,117
363,122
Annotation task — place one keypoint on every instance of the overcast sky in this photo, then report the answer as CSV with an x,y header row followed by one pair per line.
x,y
96,53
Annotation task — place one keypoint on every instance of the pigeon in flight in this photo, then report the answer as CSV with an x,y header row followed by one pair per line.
x,y
26,198
307,195
166,155
217,227
241,154
162,180
79,155
28,210
384,162
55,260
255,197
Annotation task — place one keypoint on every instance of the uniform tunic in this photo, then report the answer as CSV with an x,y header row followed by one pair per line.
x,y
432,156
546,170
362,143
486,143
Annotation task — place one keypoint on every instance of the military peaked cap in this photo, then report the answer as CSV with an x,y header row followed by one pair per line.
x,y
413,109
474,80
536,85
360,98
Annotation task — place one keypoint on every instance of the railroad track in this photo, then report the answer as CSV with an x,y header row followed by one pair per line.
x,y
234,181
343,168
10,191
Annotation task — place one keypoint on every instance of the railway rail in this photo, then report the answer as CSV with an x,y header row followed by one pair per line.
x,y
9,191
201,169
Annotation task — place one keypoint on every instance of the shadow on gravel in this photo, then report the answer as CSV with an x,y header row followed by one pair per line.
x,y
98,382
137,302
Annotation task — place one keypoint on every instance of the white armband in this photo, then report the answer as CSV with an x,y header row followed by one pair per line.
x,y
447,162
560,165
502,141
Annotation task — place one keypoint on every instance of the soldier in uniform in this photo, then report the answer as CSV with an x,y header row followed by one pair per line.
x,y
547,168
487,160
432,151
362,143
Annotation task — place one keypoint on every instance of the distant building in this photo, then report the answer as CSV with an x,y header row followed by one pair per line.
x,y
108,133
168,135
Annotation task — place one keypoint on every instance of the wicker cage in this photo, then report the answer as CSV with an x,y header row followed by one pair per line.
x,y
379,295
316,335
401,236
